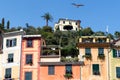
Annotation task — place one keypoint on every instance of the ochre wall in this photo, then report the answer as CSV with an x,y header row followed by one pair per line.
x,y
86,70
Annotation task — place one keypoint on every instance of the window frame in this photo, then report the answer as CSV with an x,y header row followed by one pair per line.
x,y
100,51
118,53
11,42
87,51
29,76
51,69
68,66
29,43
29,60
95,72
10,59
8,73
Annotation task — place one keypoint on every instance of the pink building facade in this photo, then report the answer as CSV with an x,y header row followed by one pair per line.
x,y
31,48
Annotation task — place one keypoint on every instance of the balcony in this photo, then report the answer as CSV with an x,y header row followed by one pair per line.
x,y
50,53
64,59
88,56
87,40
101,56
100,40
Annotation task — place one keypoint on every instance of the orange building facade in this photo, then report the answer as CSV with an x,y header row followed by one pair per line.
x,y
94,51
52,68
31,46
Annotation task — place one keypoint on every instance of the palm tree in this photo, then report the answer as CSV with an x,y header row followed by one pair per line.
x,y
47,17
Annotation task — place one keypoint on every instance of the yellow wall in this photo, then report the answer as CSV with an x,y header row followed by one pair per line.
x,y
114,62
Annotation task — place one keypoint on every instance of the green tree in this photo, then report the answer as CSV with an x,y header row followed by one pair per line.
x,y
47,29
8,24
110,36
87,31
3,22
31,30
47,17
117,34
99,33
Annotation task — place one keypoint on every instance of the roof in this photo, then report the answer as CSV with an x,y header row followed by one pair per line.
x,y
14,33
93,36
28,36
68,20
61,63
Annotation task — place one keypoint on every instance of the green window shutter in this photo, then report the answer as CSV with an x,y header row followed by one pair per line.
x,y
118,72
95,69
28,75
114,53
7,43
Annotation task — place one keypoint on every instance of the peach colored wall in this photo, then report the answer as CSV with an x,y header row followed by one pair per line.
x,y
59,73
35,51
86,70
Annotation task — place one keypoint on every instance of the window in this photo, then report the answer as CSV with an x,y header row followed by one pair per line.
x,y
29,59
116,53
100,51
28,75
95,68
118,72
69,22
68,69
87,51
76,23
63,22
8,73
51,69
29,43
11,42
10,58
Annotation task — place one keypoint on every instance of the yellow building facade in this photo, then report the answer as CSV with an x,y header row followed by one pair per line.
x,y
114,60
10,58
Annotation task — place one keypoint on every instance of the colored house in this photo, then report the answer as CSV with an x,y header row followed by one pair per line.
x,y
114,59
94,50
31,48
53,67
67,24
10,58
1,42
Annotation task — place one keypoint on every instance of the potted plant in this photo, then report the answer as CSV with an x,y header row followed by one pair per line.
x,y
68,76
87,56
101,56
30,62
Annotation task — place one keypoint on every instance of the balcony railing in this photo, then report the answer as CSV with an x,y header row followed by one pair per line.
x,y
64,59
88,56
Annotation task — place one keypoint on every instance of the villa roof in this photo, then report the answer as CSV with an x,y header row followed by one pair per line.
x,y
68,20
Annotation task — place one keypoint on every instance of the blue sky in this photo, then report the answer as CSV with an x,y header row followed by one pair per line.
x,y
96,14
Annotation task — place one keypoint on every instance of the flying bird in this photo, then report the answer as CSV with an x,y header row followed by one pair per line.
x,y
77,5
